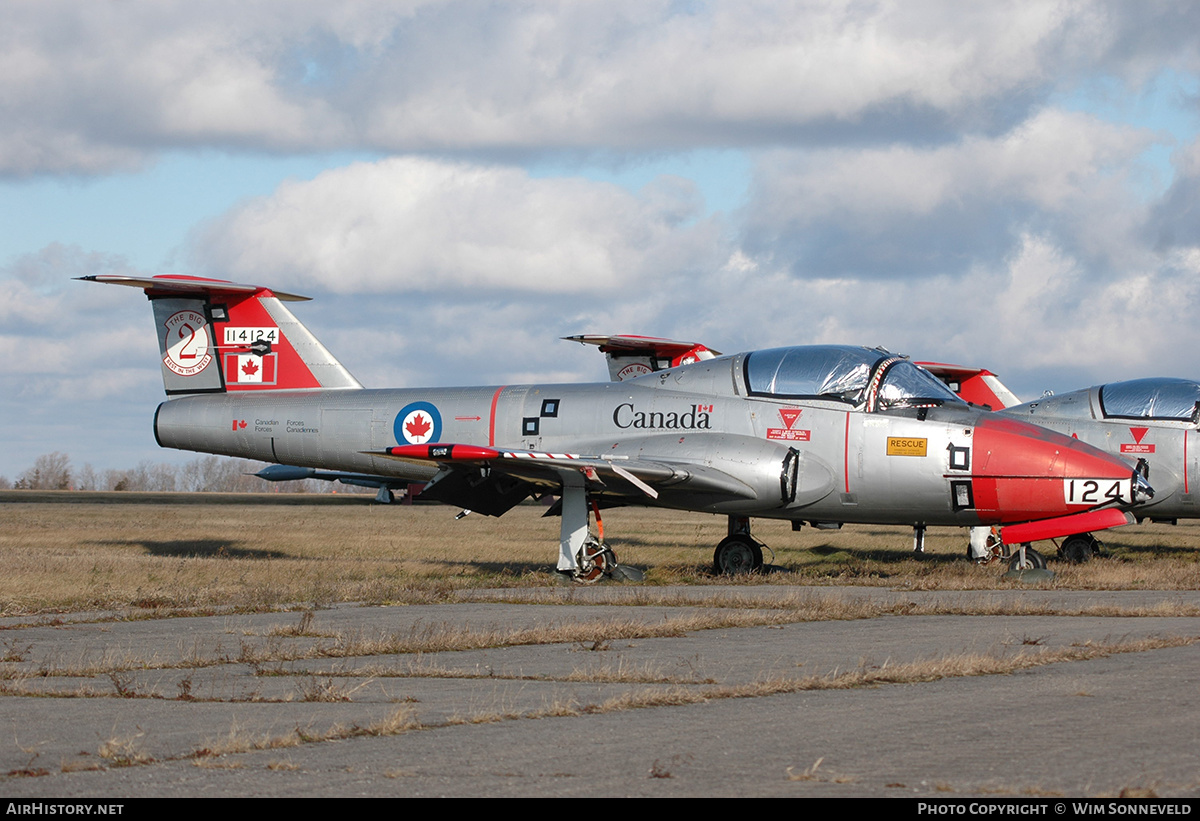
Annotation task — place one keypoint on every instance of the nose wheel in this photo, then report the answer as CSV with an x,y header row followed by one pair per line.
x,y
985,548
738,552
736,555
1026,558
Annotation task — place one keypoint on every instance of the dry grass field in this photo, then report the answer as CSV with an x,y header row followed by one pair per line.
x,y
98,677
87,551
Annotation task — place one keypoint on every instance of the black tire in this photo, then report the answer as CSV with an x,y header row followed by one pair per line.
x,y
1033,560
736,555
1078,549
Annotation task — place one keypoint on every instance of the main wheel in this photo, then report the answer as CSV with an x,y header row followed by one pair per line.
x,y
1079,548
1033,560
736,555
595,560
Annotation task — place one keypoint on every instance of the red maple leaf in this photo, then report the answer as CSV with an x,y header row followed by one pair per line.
x,y
418,427
249,368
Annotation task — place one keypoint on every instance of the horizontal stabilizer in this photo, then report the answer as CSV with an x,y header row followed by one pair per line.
x,y
638,344
978,386
183,284
629,356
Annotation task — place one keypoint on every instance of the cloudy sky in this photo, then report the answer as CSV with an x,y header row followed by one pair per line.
x,y
1013,185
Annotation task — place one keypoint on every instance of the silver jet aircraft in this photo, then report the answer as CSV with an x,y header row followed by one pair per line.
x,y
820,434
1154,421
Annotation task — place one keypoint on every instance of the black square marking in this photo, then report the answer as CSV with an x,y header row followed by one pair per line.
x,y
549,408
960,458
530,426
961,496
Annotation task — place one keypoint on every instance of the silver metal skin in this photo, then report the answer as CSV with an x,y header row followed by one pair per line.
x,y
825,434
716,460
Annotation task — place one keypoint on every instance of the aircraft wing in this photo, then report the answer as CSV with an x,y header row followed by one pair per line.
x,y
611,475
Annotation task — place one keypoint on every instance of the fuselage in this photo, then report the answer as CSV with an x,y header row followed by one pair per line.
x,y
815,459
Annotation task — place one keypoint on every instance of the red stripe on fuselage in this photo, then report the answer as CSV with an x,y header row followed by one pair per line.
x,y
846,453
492,417
1065,525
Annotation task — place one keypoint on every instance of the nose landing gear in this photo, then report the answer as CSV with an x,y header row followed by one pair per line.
x,y
738,552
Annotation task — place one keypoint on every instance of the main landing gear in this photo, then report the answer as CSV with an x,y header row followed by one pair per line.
x,y
738,552
985,547
585,558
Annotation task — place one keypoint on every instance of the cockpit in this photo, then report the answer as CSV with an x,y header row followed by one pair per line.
x,y
869,377
1156,398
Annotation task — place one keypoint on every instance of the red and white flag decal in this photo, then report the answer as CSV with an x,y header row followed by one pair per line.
x,y
249,369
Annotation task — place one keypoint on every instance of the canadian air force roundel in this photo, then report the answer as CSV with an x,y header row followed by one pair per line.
x,y
418,423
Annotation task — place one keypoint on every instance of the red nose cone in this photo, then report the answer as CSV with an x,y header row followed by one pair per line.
x,y
1025,472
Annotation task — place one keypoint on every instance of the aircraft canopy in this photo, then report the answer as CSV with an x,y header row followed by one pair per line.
x,y
844,373
1156,398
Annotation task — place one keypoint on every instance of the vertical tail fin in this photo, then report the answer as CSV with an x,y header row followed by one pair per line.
x,y
978,386
216,336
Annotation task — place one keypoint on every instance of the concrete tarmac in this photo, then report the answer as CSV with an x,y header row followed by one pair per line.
x,y
636,701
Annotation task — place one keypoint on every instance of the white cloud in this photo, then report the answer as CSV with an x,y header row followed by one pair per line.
x,y
907,211
410,225
57,334
86,87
